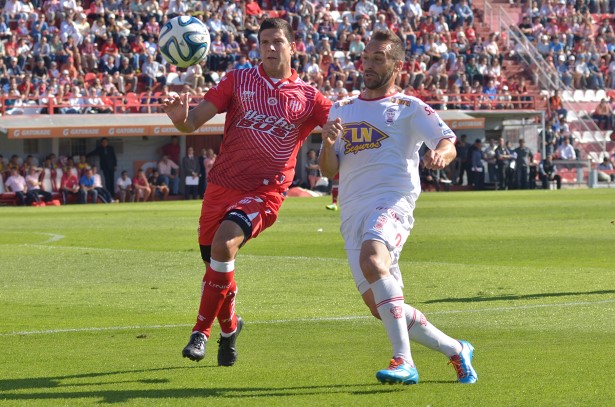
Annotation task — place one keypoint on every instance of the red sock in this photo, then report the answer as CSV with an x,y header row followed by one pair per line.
x,y
226,316
334,192
215,287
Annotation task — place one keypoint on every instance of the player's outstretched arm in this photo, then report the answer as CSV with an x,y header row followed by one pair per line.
x,y
441,157
328,161
185,119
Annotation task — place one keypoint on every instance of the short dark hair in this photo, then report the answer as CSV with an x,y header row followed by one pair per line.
x,y
398,50
279,24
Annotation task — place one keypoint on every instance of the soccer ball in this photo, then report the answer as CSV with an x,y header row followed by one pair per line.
x,y
184,41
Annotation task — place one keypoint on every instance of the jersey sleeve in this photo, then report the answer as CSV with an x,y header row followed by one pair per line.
x,y
321,109
430,126
222,94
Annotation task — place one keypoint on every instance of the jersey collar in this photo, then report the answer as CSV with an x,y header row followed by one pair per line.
x,y
388,95
276,85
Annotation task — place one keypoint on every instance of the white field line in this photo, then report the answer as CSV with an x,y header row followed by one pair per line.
x,y
309,320
55,238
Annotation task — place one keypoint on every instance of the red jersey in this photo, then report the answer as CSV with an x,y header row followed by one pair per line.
x,y
266,124
68,180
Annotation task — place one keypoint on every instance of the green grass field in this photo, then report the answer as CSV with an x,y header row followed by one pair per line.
x,y
97,301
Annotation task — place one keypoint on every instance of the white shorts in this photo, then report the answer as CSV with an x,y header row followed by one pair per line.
x,y
387,219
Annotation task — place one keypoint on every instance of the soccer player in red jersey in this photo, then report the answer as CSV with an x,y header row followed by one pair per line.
x,y
269,114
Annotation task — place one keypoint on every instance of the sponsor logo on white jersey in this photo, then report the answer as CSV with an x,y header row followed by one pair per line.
x,y
361,136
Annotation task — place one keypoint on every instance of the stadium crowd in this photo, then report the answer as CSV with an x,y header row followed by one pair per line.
x,y
61,49
101,56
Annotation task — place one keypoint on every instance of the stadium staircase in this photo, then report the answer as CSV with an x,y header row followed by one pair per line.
x,y
496,17
592,142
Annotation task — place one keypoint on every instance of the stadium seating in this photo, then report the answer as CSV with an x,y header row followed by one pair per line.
x,y
6,198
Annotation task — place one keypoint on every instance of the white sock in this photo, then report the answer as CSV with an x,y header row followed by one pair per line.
x,y
228,335
423,332
389,299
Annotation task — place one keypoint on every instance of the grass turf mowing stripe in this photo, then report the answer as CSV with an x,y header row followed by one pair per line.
x,y
303,320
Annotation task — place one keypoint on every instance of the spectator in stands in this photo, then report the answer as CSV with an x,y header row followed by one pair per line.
x,y
566,151
82,165
563,70
489,157
107,161
555,105
159,188
547,171
490,91
75,103
253,9
603,115
476,170
94,104
523,154
503,157
581,73
169,171
464,13
242,63
153,72
127,78
460,164
103,193
124,188
148,99
171,149
356,46
190,174
217,58
17,183
15,162
69,184
596,78
312,72
472,72
312,168
603,167
87,188
177,8
437,74
142,190
202,173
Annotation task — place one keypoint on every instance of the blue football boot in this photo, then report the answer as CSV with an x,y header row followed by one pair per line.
x,y
463,364
399,371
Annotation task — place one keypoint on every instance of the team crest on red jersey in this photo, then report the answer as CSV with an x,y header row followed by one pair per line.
x,y
296,106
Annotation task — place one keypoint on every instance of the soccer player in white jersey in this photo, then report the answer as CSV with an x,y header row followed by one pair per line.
x,y
270,112
376,136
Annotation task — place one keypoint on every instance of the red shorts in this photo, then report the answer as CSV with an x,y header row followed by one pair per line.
x,y
262,208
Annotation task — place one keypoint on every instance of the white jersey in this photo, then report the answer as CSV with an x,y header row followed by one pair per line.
x,y
379,150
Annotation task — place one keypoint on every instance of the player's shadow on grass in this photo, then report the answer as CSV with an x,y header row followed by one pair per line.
x,y
518,297
54,386
57,381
